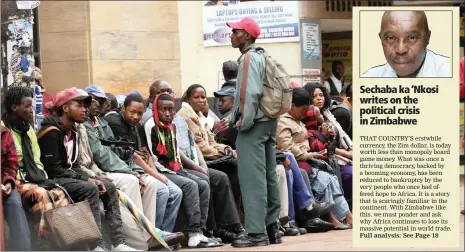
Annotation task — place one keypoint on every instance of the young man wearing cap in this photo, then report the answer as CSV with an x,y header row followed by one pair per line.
x,y
58,142
256,142
225,104
230,69
149,196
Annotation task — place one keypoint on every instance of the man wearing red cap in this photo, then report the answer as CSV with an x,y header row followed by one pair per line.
x,y
58,142
256,142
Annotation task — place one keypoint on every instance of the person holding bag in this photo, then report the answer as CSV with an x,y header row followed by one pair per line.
x,y
59,142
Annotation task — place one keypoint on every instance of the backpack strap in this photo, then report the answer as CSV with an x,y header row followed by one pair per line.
x,y
263,55
332,86
45,131
243,87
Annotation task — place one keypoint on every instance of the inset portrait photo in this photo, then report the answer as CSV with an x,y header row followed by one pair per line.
x,y
406,43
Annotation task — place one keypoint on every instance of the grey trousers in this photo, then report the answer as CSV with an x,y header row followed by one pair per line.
x,y
222,210
195,200
136,235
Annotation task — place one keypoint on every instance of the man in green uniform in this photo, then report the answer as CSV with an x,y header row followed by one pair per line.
x,y
255,144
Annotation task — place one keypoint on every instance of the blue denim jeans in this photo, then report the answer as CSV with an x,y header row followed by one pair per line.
x,y
297,188
168,202
20,238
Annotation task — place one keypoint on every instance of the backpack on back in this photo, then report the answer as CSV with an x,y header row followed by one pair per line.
x,y
337,104
276,96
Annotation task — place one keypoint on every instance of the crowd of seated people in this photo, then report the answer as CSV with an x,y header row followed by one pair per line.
x,y
181,163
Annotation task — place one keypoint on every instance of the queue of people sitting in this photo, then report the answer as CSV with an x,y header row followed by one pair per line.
x,y
182,161
245,179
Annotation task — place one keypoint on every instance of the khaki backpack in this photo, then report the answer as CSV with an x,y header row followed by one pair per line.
x,y
276,98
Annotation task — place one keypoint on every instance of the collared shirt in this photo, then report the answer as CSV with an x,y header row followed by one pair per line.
x,y
435,65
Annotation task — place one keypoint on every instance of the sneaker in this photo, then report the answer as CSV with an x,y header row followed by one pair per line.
x,y
124,247
98,248
213,238
199,241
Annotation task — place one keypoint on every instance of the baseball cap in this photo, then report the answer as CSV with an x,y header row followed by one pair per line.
x,y
230,68
120,100
226,91
96,91
133,92
75,94
247,24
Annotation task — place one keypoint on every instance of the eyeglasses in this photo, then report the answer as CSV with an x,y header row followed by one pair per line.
x,y
409,40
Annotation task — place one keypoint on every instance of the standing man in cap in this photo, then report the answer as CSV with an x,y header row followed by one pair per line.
x,y
230,69
256,142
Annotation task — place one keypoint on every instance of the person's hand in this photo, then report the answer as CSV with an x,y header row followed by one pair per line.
x,y
221,126
6,189
203,169
99,184
163,179
324,129
141,182
316,155
235,154
103,177
287,164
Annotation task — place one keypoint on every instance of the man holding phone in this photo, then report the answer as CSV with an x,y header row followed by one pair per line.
x,y
225,134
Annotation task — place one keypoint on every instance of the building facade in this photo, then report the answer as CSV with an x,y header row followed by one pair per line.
x,y
126,45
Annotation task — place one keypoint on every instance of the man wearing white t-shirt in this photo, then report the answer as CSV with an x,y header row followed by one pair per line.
x,y
405,36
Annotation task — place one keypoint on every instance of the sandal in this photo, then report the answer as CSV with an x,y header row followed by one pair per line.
x,y
348,224
342,227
